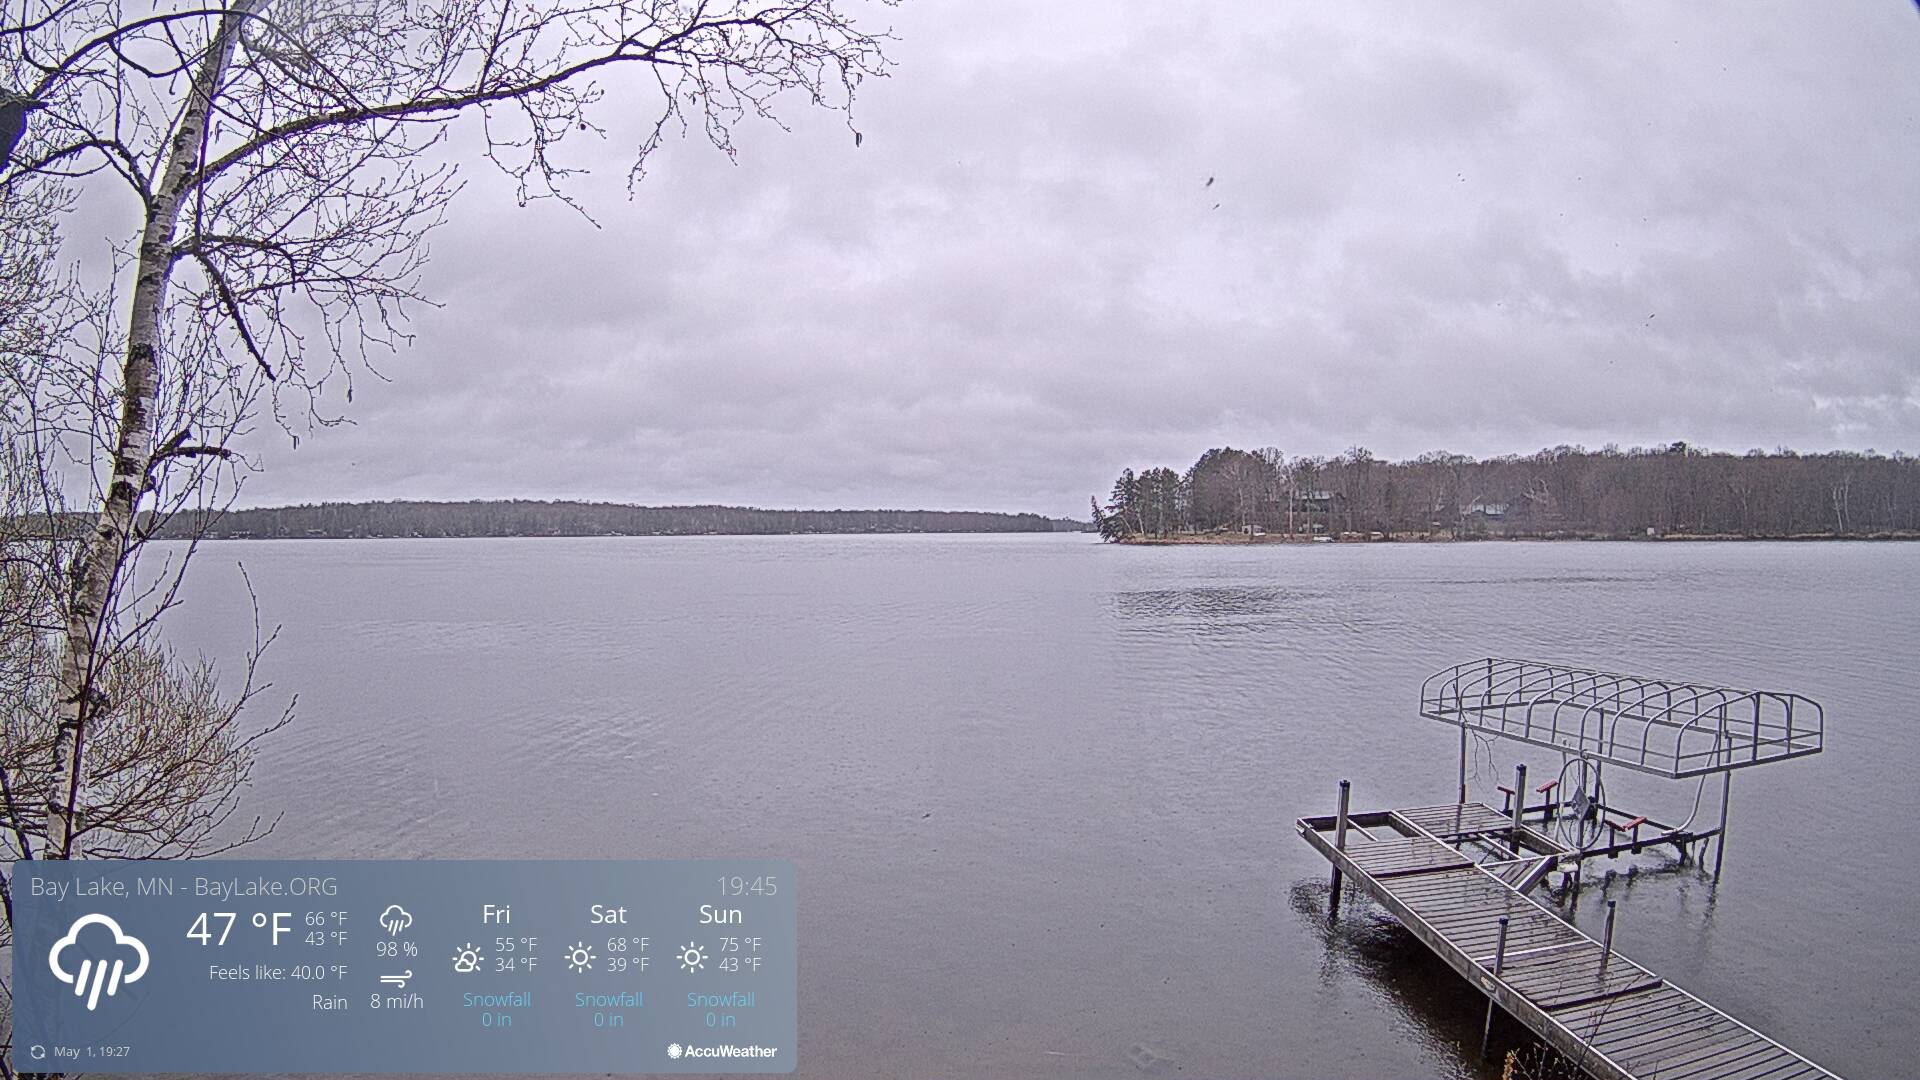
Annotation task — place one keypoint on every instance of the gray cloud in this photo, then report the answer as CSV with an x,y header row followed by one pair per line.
x,y
1477,227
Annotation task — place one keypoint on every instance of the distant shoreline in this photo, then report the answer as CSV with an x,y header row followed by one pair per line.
x,y
502,518
1674,492
225,537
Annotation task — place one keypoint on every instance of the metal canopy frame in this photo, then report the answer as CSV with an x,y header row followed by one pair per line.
x,y
1671,729
1675,730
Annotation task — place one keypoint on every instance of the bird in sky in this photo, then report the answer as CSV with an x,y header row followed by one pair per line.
x,y
1209,181
14,108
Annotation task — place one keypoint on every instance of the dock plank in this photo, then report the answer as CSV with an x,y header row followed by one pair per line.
x,y
1647,1034
1592,1019
1576,977
1466,910
1402,855
1795,1069
1669,1037
1762,1058
1633,1017
1720,1062
1453,821
1668,1032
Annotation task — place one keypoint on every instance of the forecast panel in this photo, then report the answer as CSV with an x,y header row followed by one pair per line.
x,y
366,966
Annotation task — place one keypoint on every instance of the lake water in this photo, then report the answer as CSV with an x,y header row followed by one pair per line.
x,y
1041,791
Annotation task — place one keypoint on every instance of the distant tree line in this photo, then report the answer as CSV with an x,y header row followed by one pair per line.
x,y
1566,491
530,518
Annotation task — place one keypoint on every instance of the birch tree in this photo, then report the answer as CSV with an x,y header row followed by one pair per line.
x,y
282,161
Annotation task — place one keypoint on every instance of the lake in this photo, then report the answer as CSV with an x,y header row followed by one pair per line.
x,y
1040,791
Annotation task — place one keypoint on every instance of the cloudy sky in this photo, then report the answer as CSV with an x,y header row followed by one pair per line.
x,y
1484,228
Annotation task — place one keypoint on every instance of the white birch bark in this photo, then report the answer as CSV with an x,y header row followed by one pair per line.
x,y
89,612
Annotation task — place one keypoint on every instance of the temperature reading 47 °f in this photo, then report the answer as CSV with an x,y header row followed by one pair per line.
x,y
277,923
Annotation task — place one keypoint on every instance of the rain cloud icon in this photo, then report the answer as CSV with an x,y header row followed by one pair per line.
x,y
98,973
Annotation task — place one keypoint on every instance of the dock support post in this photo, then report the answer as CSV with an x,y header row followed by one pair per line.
x,y
1339,844
1463,764
1720,841
1606,939
1519,801
1499,964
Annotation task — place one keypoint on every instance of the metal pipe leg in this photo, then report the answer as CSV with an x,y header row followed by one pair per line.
x,y
1606,940
1339,844
1499,964
1519,802
1720,841
1463,764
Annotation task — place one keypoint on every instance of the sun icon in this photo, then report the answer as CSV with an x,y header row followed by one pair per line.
x,y
691,958
467,959
580,957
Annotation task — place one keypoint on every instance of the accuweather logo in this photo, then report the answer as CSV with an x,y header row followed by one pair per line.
x,y
725,1050
93,975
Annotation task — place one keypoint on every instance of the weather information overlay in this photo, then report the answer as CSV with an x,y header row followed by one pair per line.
x,y
310,966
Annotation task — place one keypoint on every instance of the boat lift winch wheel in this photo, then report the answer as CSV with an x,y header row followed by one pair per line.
x,y
1582,822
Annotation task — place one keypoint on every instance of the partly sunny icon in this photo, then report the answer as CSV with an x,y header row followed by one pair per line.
x,y
466,960
93,974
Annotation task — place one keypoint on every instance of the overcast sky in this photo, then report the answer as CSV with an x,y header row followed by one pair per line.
x,y
1484,228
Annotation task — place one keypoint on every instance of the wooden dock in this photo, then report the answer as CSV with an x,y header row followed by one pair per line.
x,y
1457,876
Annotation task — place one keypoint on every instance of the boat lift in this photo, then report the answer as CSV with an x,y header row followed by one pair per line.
x,y
1457,875
1596,719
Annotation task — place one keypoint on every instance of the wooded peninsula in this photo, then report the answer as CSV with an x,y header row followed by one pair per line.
x,y
517,517
1671,492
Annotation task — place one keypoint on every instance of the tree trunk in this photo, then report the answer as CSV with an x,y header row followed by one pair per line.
x,y
100,559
